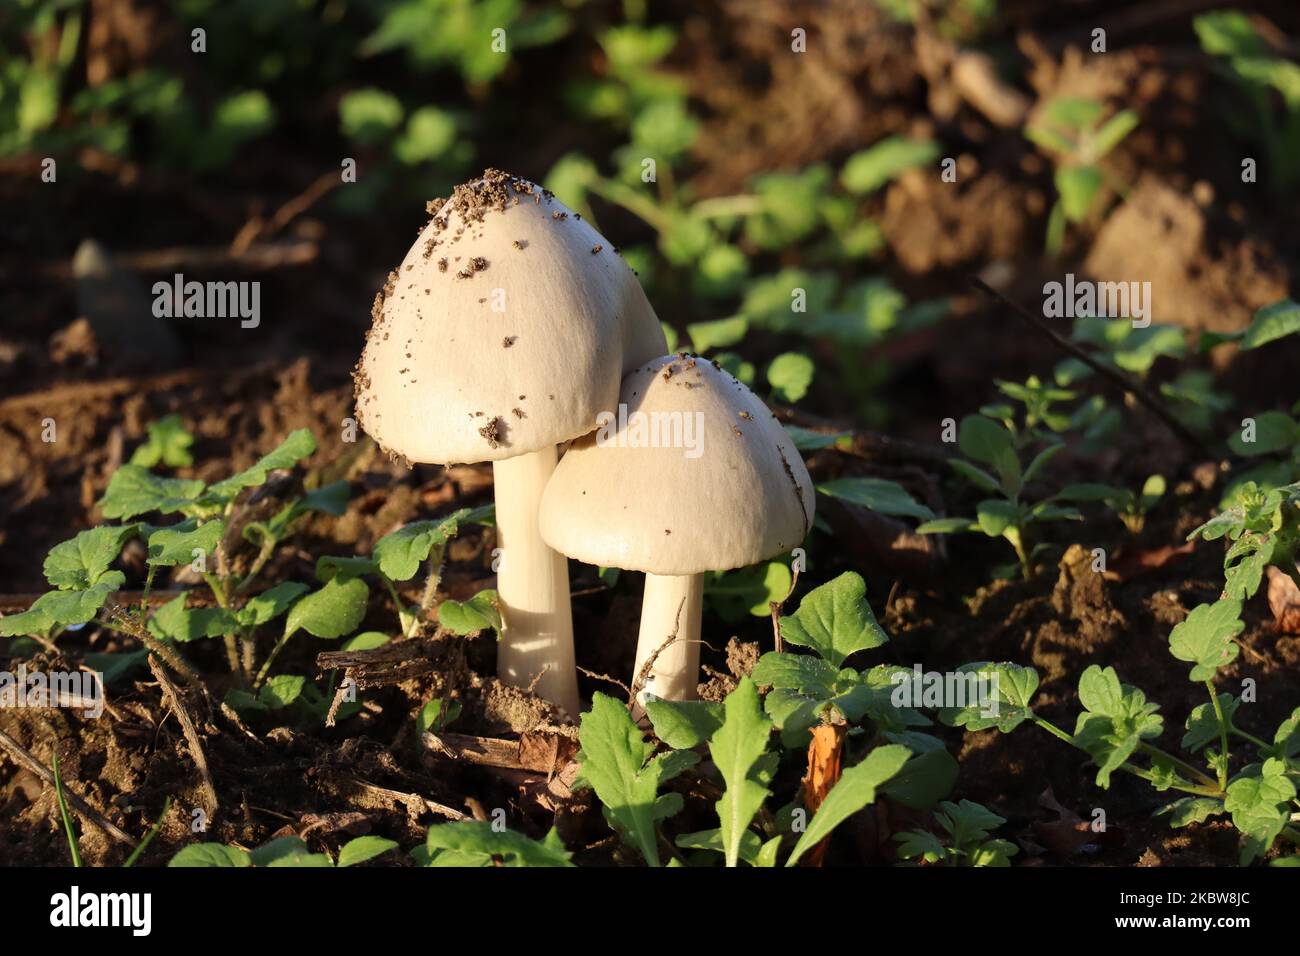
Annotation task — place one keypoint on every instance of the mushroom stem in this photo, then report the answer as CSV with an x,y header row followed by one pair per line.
x,y
671,606
533,584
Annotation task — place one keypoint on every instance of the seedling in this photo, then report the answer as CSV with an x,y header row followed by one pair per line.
x,y
1009,516
1118,723
1263,78
282,851
968,826
1072,129
1131,507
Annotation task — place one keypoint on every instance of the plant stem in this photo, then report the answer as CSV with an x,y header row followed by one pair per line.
x,y
1223,734
1233,729
263,555
631,200
73,848
232,644
144,595
270,659
722,206
153,832
1181,764
1018,543
404,624
1146,775
431,583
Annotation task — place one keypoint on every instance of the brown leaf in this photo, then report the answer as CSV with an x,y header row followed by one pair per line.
x,y
1284,601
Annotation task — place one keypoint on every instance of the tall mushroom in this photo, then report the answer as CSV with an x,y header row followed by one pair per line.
x,y
504,332
692,473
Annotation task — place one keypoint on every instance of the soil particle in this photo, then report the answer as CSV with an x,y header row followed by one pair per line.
x,y
492,432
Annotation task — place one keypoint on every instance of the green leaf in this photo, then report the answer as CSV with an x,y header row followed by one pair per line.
x,y
168,442
1205,638
175,545
62,607
1112,132
468,839
209,855
281,691
733,594
1189,810
369,115
479,613
683,724
751,845
801,672
365,641
270,604
947,526
81,562
288,453
1271,323
364,848
1116,720
1015,688
176,622
925,779
790,374
805,439
855,789
737,749
835,620
435,715
989,442
995,515
135,491
616,762
400,552
1078,187
876,494
1259,805
288,851
869,169
430,132
717,334
1203,723
333,611
1274,432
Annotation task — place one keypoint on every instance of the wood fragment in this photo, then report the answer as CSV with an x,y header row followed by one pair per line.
x,y
173,699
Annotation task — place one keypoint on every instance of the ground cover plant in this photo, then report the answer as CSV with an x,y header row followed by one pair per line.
x,y
997,317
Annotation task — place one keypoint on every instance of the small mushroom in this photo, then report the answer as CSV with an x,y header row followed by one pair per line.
x,y
666,487
588,324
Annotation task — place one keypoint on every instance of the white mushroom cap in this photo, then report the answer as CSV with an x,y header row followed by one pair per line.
x,y
738,492
506,328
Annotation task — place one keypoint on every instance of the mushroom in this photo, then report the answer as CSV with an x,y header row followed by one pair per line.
x,y
691,474
498,337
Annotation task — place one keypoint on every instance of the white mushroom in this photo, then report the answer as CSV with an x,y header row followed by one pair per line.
x,y
504,331
692,474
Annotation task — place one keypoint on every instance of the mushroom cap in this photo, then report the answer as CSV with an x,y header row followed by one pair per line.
x,y
506,328
733,490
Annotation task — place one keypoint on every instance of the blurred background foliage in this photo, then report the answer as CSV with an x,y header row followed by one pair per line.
x,y
755,226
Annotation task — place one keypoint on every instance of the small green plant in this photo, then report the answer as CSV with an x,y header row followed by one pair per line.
x,y
1259,73
1010,516
1072,129
968,826
1131,507
1118,725
282,851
